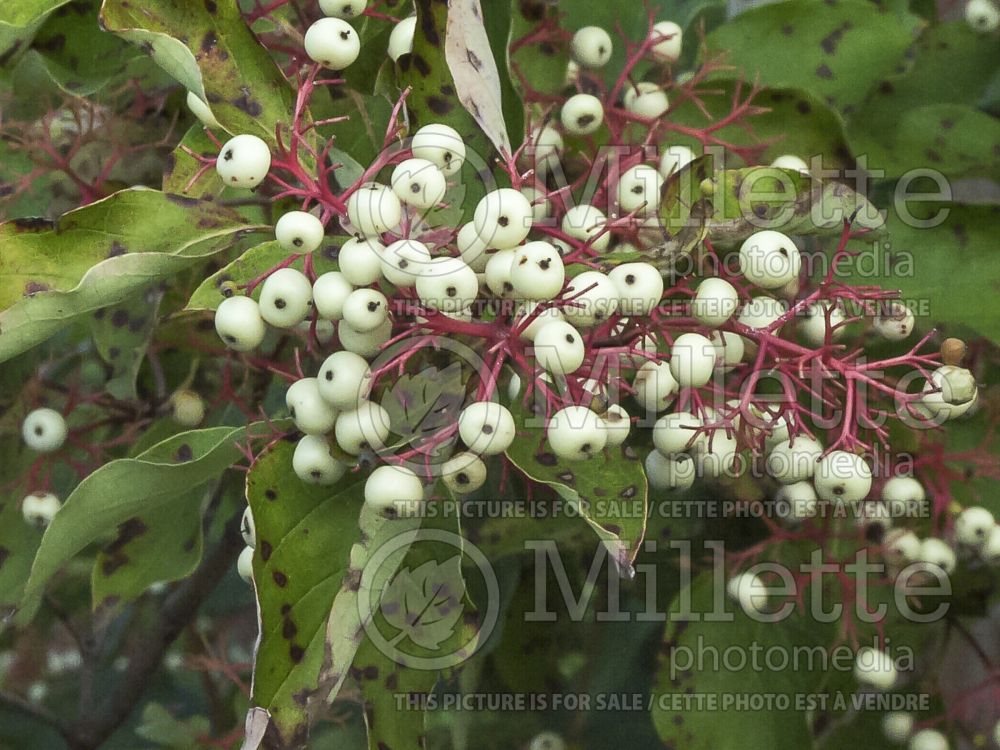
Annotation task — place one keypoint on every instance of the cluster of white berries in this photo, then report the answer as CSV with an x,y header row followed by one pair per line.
x,y
248,530
44,430
898,727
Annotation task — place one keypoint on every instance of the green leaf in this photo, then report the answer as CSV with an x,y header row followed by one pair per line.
x,y
915,260
163,729
181,168
121,337
159,545
19,21
18,541
696,728
127,488
542,67
609,491
208,48
836,51
98,256
80,57
304,539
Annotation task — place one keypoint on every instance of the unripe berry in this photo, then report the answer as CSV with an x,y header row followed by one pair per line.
x,y
401,38
345,380
875,668
441,145
640,287
373,209
646,99
537,271
44,430
503,218
244,565
394,489
366,310
973,526
676,433
248,529
769,259
675,472
582,114
330,292
655,386
586,223
244,161
938,553
950,392
333,43
575,433
842,476
639,188
188,408
343,8
463,473
239,323
670,37
313,463
285,298
419,183
715,301
201,110
928,739
299,232
748,591
313,415
795,460
363,428
894,323
486,427
447,284
674,159
591,298
692,360
39,508
953,351
559,348
360,261
591,47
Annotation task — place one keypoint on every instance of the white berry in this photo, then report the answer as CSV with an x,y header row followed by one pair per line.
x,y
822,319
950,392
674,159
366,310
895,322
244,565
795,460
938,553
843,476
472,248
248,529
365,343
559,348
616,423
441,145
486,427
669,37
285,298
394,488
902,546
503,218
299,232
582,114
715,301
537,271
188,408
404,261
373,209
538,319
575,433
769,259
973,526
640,287
875,668
44,430
646,99
676,433
729,349
345,379
748,591
904,496
639,188
39,508
715,453
591,47
313,463
670,472
547,146
692,360
982,15
498,272
244,161
799,499
463,473
343,8
330,292
311,412
591,298
587,224
419,183
990,551
239,323
333,43
447,284
655,386
360,261
363,428
761,312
